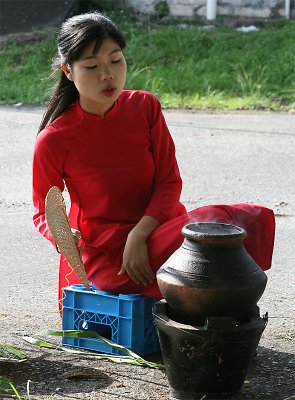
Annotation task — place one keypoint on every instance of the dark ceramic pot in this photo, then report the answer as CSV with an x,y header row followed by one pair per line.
x,y
211,274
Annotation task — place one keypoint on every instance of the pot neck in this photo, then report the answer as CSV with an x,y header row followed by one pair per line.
x,y
192,244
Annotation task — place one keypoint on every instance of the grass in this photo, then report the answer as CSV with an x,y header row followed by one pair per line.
x,y
24,71
219,68
7,387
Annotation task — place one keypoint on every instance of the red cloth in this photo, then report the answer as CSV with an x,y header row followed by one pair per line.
x,y
116,171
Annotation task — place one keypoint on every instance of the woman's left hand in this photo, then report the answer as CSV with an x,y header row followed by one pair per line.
x,y
136,260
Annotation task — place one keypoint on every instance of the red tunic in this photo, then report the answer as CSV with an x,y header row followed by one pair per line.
x,y
116,170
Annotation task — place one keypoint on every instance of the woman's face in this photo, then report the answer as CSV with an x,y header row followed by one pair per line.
x,y
99,78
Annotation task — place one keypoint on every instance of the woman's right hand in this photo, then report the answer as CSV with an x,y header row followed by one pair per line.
x,y
77,235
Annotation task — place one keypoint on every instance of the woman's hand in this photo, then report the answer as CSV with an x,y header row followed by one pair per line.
x,y
135,256
77,235
136,261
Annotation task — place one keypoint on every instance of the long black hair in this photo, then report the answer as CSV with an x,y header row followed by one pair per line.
x,y
75,35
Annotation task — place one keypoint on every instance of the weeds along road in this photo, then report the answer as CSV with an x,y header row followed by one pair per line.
x,y
224,157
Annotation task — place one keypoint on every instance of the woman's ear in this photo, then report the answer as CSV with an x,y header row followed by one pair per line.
x,y
67,71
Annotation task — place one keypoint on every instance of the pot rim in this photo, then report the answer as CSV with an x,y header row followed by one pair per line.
x,y
212,230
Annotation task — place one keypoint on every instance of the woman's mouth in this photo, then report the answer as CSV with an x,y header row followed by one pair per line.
x,y
108,91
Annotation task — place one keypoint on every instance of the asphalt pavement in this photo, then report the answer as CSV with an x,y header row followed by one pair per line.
x,y
224,157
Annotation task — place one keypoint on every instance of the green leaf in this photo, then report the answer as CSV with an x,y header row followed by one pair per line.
x,y
39,342
92,334
132,358
95,335
7,386
8,351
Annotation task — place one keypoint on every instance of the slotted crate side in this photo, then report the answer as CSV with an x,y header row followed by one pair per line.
x,y
106,326
130,333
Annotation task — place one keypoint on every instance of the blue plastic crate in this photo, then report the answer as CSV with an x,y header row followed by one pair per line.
x,y
125,319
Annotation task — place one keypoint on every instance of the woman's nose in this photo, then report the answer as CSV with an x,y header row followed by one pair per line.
x,y
105,73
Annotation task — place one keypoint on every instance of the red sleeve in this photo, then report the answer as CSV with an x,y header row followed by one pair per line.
x,y
164,203
47,172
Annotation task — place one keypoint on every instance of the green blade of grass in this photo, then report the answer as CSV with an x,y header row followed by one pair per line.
x,y
39,342
7,386
8,351
95,335
15,391
91,334
132,358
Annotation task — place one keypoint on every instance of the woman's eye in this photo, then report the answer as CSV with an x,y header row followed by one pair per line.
x,y
116,61
93,67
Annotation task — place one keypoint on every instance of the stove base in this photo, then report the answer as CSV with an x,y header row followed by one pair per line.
x,y
210,360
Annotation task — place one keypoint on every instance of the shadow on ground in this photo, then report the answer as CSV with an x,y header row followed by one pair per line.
x,y
271,376
49,376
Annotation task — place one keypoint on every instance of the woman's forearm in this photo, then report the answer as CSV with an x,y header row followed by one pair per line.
x,y
144,228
